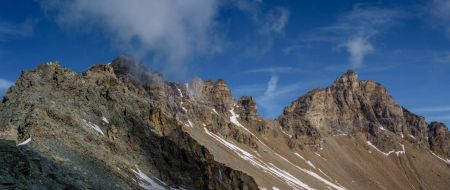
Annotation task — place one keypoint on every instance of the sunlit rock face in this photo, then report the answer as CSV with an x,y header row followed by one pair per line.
x,y
351,106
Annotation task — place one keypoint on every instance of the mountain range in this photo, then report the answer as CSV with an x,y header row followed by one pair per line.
x,y
123,126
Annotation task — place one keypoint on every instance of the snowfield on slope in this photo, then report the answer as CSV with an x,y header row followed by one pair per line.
x,y
273,170
25,142
93,126
268,168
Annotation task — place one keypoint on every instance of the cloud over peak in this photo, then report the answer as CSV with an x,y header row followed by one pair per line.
x,y
171,30
358,47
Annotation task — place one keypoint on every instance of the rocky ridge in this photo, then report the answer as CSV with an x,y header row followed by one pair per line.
x,y
125,124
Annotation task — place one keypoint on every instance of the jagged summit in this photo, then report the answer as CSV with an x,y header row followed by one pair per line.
x,y
349,76
122,126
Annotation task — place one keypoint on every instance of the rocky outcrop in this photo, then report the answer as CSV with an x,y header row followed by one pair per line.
x,y
247,108
439,138
220,95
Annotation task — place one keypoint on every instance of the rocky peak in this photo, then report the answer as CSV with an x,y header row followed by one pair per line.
x,y
220,95
350,106
136,75
248,108
439,138
350,78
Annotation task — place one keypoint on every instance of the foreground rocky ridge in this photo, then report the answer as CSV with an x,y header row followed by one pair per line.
x,y
92,124
120,126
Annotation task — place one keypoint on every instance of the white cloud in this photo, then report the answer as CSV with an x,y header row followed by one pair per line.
x,y
356,30
4,85
171,30
358,48
271,87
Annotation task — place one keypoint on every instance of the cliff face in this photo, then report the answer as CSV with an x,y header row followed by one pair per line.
x,y
121,126
439,138
350,106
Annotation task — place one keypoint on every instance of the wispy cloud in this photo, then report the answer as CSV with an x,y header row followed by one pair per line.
x,y
271,87
270,23
4,85
171,31
435,113
439,118
9,30
441,58
432,109
356,31
276,96
275,70
439,10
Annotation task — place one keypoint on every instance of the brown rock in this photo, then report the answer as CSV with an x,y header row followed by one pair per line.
x,y
438,138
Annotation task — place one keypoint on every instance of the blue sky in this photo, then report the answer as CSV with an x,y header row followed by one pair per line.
x,y
275,51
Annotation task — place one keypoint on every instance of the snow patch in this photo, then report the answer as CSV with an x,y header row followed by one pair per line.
x,y
402,135
412,136
446,161
190,124
147,182
105,120
290,136
272,169
256,162
214,110
403,151
179,91
234,120
184,109
373,146
275,188
93,126
25,142
320,178
320,155
307,161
